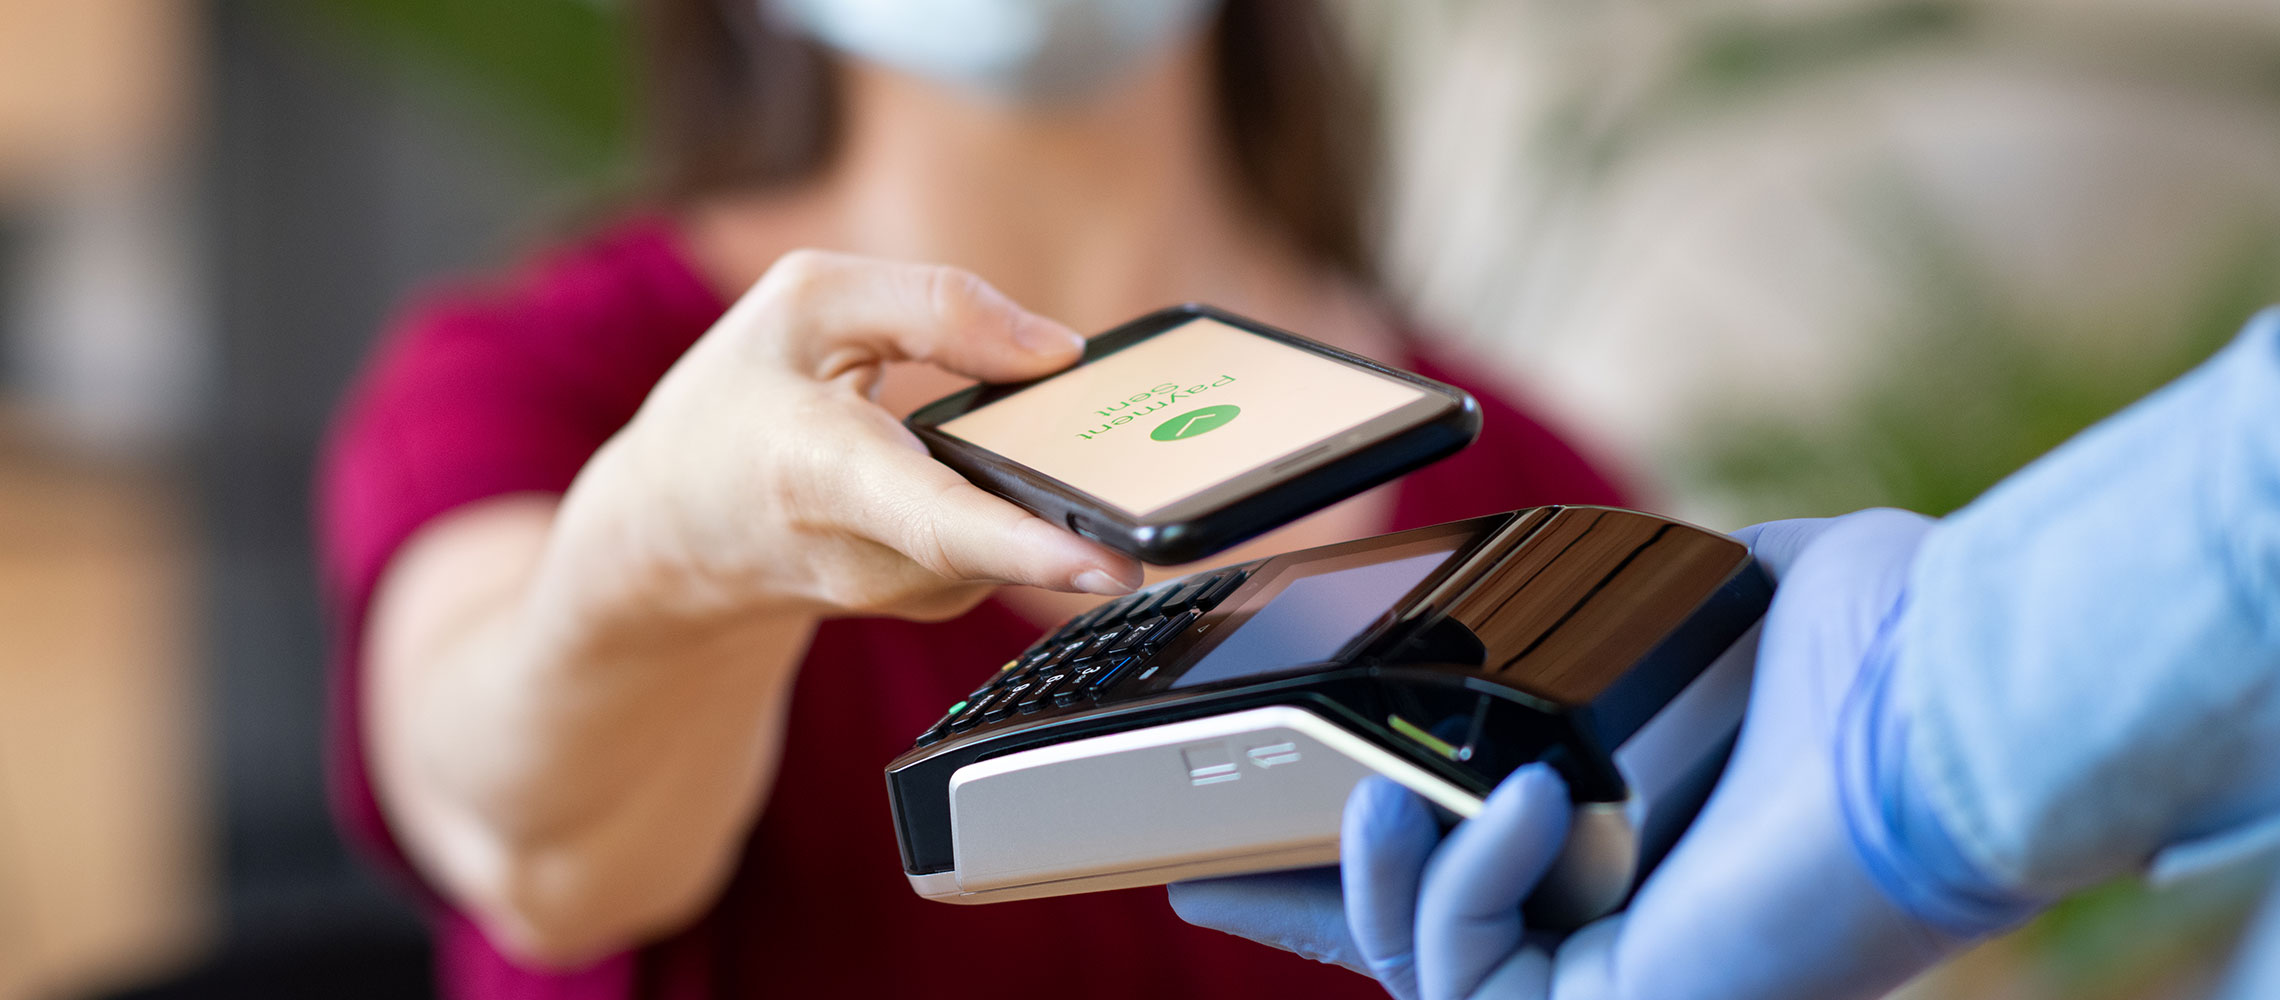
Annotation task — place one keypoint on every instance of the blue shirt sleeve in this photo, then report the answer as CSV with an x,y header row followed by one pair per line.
x,y
2086,672
2256,976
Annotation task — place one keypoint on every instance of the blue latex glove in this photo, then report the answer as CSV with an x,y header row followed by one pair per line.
x,y
1764,897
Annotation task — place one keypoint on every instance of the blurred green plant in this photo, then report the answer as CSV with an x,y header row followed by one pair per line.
x,y
1735,57
1733,54
1973,385
558,71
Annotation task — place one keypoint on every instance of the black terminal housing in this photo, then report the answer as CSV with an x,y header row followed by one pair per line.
x,y
1551,633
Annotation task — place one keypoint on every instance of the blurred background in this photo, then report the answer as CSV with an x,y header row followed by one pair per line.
x,y
1772,256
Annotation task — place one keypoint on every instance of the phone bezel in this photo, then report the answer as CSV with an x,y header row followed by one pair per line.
x,y
1441,421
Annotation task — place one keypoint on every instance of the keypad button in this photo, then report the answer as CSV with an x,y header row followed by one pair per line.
x,y
996,679
1100,644
1108,672
1052,661
1210,597
1183,595
1173,626
1136,635
1002,705
1041,694
1108,614
1153,606
1075,628
958,713
983,703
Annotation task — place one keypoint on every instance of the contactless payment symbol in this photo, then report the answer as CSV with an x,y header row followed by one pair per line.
x,y
1194,422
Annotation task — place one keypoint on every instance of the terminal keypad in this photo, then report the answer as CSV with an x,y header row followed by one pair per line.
x,y
1090,652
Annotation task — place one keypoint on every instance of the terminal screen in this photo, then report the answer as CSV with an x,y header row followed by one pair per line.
x,y
1313,610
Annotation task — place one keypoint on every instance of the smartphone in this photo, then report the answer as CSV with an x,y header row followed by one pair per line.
x,y
1192,429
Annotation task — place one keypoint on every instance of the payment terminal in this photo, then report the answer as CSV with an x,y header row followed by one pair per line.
x,y
1213,725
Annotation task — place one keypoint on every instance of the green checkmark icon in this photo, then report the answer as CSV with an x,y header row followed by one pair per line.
x,y
1194,422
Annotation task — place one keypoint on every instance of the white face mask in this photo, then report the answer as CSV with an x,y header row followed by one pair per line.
x,y
1016,50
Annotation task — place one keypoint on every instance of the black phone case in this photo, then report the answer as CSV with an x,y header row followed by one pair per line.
x,y
1226,518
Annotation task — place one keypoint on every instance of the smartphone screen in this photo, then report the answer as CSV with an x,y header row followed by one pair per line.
x,y
1179,413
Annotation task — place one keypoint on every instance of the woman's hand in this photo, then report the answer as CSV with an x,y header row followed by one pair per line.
x,y
762,475
574,709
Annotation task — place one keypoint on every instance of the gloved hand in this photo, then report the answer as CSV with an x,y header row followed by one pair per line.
x,y
1765,897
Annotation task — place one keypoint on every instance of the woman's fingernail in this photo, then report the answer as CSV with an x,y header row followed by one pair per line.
x,y
1093,581
1048,338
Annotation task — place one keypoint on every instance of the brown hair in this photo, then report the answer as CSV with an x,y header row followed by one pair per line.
x,y
732,102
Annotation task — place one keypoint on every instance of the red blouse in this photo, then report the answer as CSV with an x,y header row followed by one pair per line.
x,y
510,387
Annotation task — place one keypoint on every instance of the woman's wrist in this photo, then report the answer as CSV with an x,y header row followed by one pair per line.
x,y
615,576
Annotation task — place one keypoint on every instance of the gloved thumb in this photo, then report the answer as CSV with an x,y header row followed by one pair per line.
x,y
1469,929
1778,544
1387,836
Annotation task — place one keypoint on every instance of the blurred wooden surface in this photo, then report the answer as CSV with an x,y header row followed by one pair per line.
x,y
102,850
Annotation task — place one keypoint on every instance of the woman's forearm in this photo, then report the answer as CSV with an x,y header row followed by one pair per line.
x,y
578,778
575,710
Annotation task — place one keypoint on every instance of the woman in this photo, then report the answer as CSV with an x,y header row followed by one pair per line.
x,y
638,597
